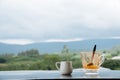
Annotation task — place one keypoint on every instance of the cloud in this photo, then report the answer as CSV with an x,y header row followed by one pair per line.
x,y
41,20
63,40
17,41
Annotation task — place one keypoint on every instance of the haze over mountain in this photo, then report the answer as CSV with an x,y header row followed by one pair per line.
x,y
50,47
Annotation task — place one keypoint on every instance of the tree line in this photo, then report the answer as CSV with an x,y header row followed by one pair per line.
x,y
33,60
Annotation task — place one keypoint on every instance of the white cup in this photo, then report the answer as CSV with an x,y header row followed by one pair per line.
x,y
65,67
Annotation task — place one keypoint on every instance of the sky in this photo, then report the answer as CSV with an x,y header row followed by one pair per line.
x,y
28,21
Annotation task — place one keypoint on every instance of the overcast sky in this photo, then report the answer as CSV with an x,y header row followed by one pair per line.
x,y
26,21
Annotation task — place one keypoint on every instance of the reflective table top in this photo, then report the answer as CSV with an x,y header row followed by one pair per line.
x,y
55,74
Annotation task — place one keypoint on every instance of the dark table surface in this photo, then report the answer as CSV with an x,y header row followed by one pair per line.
x,y
55,74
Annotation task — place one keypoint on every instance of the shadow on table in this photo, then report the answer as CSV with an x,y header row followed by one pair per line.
x,y
65,76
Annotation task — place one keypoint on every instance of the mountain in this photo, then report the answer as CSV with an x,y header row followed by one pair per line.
x,y
49,47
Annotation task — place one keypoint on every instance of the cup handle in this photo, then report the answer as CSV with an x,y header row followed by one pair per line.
x,y
102,57
56,64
